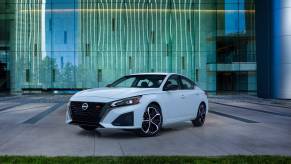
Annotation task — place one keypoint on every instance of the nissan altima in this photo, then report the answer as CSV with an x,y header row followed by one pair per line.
x,y
143,103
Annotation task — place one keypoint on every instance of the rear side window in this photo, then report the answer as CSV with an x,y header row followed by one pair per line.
x,y
173,80
186,83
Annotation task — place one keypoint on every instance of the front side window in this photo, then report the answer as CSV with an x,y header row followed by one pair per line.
x,y
139,81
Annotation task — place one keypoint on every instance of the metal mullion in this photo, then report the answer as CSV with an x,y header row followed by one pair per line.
x,y
126,40
135,31
86,20
16,66
155,37
122,38
151,35
143,36
180,37
27,39
115,41
90,41
191,16
107,34
38,41
167,34
139,38
176,36
74,42
94,43
186,38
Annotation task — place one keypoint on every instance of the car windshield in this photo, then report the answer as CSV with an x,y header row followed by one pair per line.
x,y
139,81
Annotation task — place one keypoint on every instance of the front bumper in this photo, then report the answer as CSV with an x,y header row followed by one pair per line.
x,y
126,117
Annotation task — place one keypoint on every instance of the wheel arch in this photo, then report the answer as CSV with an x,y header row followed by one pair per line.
x,y
156,103
203,102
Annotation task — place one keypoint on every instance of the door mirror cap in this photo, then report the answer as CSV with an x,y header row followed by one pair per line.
x,y
171,87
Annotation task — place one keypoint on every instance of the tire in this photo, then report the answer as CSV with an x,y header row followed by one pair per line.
x,y
152,121
88,128
201,116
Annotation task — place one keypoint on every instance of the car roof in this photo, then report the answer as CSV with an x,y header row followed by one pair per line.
x,y
154,73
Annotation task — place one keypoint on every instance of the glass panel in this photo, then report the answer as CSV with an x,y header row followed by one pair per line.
x,y
82,44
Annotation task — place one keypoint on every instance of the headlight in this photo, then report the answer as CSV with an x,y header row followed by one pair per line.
x,y
126,101
68,104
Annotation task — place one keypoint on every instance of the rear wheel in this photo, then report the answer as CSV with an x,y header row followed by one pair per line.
x,y
201,115
152,121
88,128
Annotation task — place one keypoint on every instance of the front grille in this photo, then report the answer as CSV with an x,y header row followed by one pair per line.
x,y
90,116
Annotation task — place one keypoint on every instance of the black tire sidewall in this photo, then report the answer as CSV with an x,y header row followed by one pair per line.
x,y
197,121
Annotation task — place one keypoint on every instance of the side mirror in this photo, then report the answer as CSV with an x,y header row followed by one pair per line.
x,y
108,85
171,87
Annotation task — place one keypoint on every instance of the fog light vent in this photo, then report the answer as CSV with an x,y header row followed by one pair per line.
x,y
125,119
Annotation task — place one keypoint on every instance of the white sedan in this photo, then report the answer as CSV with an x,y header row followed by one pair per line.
x,y
140,102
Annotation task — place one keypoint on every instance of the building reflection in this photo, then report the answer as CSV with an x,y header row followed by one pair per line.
x,y
65,44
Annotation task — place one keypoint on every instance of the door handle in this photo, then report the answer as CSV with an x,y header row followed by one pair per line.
x,y
183,96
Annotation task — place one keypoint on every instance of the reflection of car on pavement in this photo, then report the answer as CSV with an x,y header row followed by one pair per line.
x,y
140,102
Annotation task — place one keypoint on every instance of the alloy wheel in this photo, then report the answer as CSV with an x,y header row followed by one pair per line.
x,y
152,120
202,113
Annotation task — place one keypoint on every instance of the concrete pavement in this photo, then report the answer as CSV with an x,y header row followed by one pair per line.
x,y
35,125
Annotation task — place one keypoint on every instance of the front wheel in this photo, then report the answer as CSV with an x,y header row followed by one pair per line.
x,y
201,115
152,121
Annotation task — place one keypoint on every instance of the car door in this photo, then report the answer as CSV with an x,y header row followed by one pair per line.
x,y
190,97
172,101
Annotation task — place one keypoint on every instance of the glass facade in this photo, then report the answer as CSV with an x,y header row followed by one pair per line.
x,y
77,44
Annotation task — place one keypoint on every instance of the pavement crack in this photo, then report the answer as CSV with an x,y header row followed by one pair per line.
x,y
122,151
94,141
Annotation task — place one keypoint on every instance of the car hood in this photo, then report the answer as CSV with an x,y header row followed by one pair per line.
x,y
111,94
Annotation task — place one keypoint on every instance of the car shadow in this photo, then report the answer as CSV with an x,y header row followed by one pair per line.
x,y
128,134
176,127
113,134
88,133
108,133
